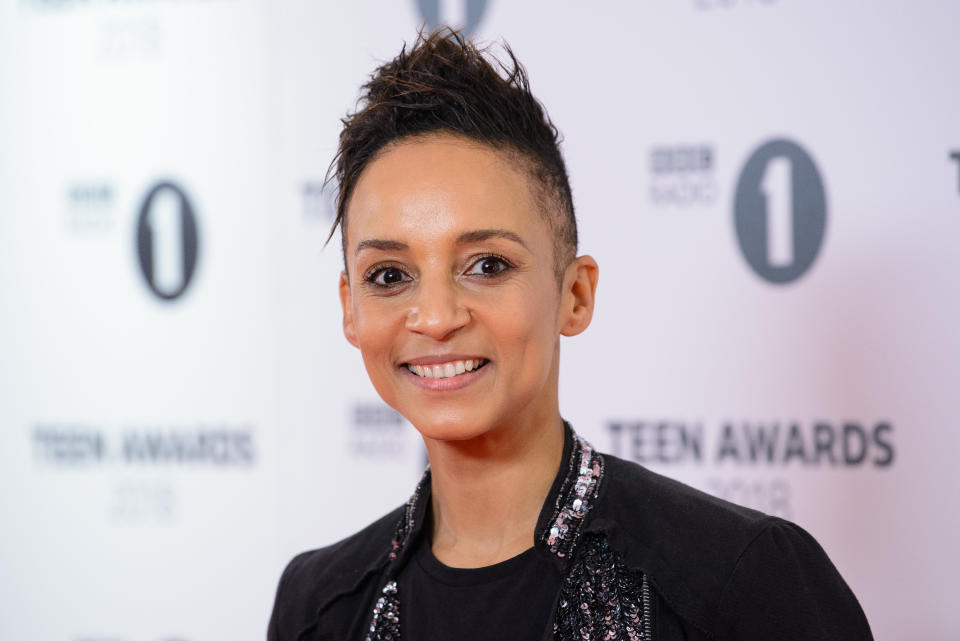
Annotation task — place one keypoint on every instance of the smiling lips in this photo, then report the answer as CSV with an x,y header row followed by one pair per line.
x,y
446,370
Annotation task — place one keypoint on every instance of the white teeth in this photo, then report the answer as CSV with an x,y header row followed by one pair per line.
x,y
445,370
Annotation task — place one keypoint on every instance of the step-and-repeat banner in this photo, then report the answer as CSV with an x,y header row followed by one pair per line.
x,y
771,188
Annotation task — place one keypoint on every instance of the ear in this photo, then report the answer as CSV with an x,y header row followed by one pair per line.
x,y
347,304
578,294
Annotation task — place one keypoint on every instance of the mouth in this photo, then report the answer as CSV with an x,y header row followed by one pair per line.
x,y
448,369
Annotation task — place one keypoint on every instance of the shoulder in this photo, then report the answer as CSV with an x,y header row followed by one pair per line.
x,y
346,558
315,577
785,585
703,553
651,505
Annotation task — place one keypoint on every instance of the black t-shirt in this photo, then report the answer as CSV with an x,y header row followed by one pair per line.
x,y
510,601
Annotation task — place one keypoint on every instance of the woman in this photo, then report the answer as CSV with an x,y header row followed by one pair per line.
x,y
460,276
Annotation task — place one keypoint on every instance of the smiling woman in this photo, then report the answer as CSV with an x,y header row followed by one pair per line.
x,y
460,276
450,263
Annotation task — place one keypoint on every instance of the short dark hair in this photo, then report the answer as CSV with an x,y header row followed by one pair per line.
x,y
445,84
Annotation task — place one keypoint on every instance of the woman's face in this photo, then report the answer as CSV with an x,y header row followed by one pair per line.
x,y
452,297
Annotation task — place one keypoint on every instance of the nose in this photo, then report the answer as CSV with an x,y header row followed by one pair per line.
x,y
438,310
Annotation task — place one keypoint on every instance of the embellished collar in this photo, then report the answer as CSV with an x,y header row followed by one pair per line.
x,y
573,495
562,518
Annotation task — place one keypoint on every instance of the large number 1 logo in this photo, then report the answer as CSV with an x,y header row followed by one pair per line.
x,y
780,211
167,240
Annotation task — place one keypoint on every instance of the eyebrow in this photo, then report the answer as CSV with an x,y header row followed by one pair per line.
x,y
481,235
375,243
467,237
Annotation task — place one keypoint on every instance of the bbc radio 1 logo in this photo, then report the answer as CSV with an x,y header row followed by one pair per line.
x,y
780,211
167,240
461,14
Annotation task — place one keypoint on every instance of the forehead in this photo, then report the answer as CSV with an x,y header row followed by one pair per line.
x,y
439,186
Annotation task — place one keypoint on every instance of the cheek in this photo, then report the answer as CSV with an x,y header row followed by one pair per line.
x,y
373,322
525,323
376,339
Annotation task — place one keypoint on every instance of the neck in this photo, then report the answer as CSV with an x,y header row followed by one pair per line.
x,y
487,493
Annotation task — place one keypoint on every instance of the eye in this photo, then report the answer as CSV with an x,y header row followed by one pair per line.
x,y
489,266
385,276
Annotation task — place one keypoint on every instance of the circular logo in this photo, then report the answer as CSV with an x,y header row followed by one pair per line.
x,y
167,240
471,13
780,211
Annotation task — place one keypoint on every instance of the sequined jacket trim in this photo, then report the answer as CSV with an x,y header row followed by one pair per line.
x,y
600,597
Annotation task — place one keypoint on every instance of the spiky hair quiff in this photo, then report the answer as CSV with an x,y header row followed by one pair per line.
x,y
445,84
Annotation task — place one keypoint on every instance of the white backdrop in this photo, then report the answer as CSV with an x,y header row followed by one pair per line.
x,y
771,188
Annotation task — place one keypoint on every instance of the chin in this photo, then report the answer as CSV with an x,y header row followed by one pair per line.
x,y
447,428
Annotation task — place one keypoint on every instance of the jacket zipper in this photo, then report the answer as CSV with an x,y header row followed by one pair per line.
x,y
647,609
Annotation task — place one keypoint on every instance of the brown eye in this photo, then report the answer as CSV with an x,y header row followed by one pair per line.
x,y
489,266
386,276
391,276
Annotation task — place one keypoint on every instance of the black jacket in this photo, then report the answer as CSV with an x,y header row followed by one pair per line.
x,y
680,564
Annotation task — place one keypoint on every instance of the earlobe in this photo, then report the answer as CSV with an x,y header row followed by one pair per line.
x,y
347,305
579,293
